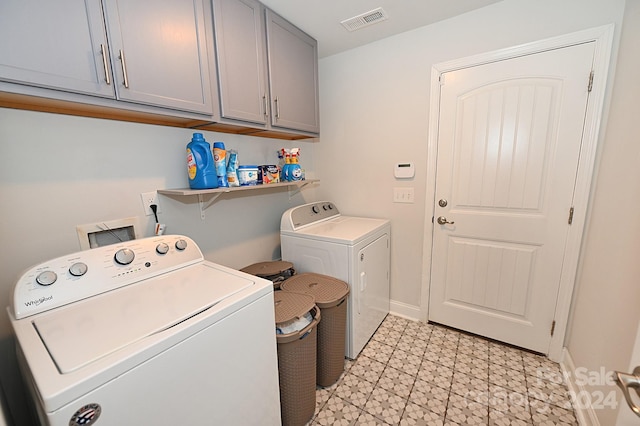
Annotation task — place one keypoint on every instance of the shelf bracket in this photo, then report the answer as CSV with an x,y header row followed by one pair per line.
x,y
298,188
204,205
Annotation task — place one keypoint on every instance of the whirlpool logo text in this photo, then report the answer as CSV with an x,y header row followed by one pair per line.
x,y
38,302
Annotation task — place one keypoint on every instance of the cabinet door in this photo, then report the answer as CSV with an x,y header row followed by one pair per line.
x,y
293,76
241,59
159,53
55,44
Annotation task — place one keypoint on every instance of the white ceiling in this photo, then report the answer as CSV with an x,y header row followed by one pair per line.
x,y
321,18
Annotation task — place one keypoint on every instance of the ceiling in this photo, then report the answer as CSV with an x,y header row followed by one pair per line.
x,y
321,18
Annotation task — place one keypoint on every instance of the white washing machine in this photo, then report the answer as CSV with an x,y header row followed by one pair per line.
x,y
315,237
147,333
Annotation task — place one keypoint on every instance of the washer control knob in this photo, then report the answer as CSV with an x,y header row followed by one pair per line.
x,y
325,207
181,245
162,248
315,209
124,256
46,278
78,269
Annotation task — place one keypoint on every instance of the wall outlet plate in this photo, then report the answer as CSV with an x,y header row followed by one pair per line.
x,y
149,198
403,195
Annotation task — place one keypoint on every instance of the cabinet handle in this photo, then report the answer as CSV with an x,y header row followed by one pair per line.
x,y
124,70
264,102
107,76
277,108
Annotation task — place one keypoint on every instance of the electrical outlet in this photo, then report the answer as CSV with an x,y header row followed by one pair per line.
x,y
149,198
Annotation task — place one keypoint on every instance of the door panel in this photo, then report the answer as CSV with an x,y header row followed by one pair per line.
x,y
508,149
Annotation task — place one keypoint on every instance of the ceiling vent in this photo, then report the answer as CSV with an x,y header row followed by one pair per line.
x,y
365,19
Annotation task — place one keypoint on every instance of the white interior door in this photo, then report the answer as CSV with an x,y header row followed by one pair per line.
x,y
508,150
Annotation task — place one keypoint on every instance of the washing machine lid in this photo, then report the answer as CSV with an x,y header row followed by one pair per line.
x,y
81,333
347,230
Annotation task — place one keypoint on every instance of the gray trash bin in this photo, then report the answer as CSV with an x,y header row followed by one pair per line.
x,y
330,296
275,271
296,357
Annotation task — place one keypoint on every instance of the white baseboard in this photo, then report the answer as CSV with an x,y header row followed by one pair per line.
x,y
405,310
586,416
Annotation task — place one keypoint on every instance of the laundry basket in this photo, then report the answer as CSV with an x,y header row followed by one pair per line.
x,y
275,271
330,296
296,357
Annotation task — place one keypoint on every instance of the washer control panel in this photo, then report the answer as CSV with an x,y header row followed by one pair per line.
x,y
308,214
80,275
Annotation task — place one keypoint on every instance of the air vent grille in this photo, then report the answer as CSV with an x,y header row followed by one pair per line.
x,y
365,19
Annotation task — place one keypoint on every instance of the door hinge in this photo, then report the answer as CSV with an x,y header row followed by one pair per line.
x,y
441,79
590,85
570,221
553,327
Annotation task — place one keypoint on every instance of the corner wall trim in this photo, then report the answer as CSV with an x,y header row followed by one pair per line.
x,y
405,310
586,416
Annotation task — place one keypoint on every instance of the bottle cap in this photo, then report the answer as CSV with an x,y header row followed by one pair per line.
x,y
219,145
197,137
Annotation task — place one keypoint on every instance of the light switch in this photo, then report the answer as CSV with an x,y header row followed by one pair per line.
x,y
403,195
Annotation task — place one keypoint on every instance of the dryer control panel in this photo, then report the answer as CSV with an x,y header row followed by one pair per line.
x,y
87,273
308,214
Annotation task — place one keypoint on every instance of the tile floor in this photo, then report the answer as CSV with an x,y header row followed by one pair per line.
x,y
412,373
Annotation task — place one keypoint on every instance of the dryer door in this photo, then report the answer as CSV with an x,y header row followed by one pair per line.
x,y
371,292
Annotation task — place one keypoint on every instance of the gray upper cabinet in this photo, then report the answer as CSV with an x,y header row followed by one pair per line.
x,y
156,53
159,53
241,60
267,68
293,76
58,44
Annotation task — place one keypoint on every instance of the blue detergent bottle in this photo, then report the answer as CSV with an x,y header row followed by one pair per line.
x,y
200,166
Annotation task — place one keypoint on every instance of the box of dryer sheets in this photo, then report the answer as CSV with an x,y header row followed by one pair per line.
x,y
269,174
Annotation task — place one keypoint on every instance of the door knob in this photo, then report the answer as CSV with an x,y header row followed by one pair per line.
x,y
629,381
443,221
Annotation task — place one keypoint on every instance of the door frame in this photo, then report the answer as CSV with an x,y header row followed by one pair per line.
x,y
603,38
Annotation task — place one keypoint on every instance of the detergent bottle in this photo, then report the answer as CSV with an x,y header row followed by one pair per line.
x,y
202,173
220,161
232,169
295,171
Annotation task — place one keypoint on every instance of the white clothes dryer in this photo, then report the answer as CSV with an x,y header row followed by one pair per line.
x,y
146,332
315,237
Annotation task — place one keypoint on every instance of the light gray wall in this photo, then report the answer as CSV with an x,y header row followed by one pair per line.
x,y
606,307
375,109
57,172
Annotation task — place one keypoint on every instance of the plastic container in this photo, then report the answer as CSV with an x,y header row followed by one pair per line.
x,y
200,164
220,160
232,168
330,296
248,175
296,358
275,271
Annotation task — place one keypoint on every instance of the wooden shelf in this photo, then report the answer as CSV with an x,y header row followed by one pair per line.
x,y
206,197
